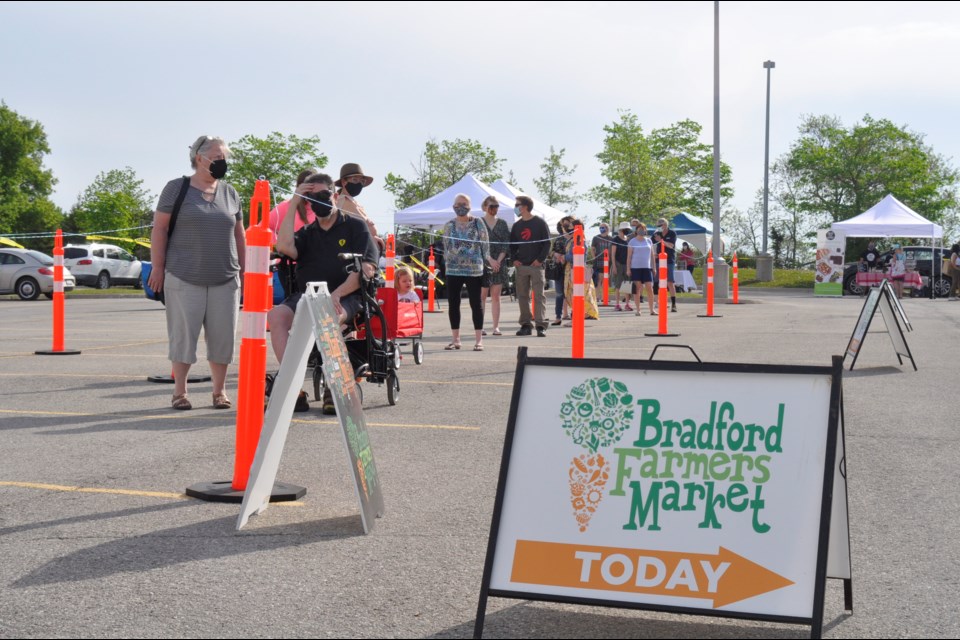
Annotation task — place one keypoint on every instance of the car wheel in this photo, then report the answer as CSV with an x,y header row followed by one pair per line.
x,y
941,287
103,280
850,284
28,289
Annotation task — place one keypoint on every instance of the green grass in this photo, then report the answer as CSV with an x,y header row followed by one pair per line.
x,y
785,278
112,291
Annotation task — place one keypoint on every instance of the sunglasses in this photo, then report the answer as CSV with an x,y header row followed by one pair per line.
x,y
493,207
320,194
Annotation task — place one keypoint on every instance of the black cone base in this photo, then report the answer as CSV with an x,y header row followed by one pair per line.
x,y
223,491
169,379
706,316
65,352
661,335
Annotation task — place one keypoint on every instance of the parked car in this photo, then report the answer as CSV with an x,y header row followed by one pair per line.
x,y
917,258
102,265
29,273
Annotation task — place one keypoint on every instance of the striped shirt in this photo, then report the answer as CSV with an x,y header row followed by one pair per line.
x,y
202,249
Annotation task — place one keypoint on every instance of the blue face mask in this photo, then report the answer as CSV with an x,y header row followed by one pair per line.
x,y
516,211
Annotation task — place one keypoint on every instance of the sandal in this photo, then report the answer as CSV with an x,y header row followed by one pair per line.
x,y
452,346
478,347
221,401
496,332
181,402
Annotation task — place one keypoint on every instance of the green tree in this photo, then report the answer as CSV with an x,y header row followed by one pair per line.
x,y
442,164
277,158
25,185
554,184
841,172
689,163
647,174
115,200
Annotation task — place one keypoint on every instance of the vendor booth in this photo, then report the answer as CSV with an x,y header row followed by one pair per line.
x,y
890,218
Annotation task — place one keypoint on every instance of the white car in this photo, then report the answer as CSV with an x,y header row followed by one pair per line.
x,y
29,273
101,265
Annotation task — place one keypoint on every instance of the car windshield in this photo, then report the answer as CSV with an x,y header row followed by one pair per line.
x,y
42,258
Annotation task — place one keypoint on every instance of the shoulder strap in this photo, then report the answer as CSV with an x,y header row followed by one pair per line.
x,y
177,204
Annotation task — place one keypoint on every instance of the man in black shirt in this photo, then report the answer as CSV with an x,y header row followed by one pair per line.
x,y
669,244
315,247
869,258
529,246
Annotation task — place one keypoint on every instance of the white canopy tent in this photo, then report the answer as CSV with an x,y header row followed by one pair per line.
x,y
890,218
545,211
436,211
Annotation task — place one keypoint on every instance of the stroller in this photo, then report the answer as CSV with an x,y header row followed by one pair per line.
x,y
374,355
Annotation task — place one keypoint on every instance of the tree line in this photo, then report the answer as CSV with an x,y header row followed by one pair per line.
x,y
830,173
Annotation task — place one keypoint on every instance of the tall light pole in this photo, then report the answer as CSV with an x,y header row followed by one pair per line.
x,y
764,261
721,281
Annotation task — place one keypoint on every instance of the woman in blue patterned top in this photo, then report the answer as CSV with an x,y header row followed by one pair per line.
x,y
466,248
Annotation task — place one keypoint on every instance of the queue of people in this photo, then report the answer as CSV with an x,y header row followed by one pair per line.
x,y
198,252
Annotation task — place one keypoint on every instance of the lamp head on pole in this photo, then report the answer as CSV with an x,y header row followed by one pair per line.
x,y
769,64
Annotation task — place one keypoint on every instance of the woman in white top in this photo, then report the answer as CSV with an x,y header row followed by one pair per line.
x,y
640,266
898,269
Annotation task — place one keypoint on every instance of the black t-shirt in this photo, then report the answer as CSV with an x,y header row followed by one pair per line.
x,y
621,255
671,237
870,256
317,250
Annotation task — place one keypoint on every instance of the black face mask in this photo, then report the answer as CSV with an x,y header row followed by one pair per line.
x,y
218,168
354,188
321,205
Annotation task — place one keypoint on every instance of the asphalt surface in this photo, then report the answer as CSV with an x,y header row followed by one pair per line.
x,y
98,540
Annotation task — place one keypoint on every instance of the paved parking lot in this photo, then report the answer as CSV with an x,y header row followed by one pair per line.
x,y
98,540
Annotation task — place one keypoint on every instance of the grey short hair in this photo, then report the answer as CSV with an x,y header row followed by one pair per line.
x,y
465,197
203,144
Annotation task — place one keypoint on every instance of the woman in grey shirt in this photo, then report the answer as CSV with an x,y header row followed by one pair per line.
x,y
198,267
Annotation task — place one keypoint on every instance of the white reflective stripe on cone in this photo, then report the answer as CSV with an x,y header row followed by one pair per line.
x,y
709,279
58,286
578,260
578,290
58,261
258,259
253,325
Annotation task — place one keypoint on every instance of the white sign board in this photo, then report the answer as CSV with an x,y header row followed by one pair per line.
x,y
675,486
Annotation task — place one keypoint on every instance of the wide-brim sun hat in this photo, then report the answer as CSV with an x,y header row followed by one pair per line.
x,y
624,226
352,169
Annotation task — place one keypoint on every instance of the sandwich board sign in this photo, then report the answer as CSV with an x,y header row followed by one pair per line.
x,y
702,488
315,321
883,298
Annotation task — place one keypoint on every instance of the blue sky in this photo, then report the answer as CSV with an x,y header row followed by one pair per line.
x,y
133,84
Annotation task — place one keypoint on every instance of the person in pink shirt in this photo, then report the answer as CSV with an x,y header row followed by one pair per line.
x,y
304,213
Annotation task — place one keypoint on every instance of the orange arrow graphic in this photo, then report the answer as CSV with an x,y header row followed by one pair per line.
x,y
724,577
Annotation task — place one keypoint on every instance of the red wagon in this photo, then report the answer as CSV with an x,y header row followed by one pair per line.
x,y
404,320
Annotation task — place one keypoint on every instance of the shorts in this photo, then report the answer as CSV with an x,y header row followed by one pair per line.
x,y
670,266
352,304
189,307
641,274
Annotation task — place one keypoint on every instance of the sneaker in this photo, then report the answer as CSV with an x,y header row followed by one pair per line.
x,y
303,405
618,308
328,407
673,308
541,332
525,331
556,323
628,308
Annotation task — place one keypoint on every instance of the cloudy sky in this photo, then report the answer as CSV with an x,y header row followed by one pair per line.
x,y
133,84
